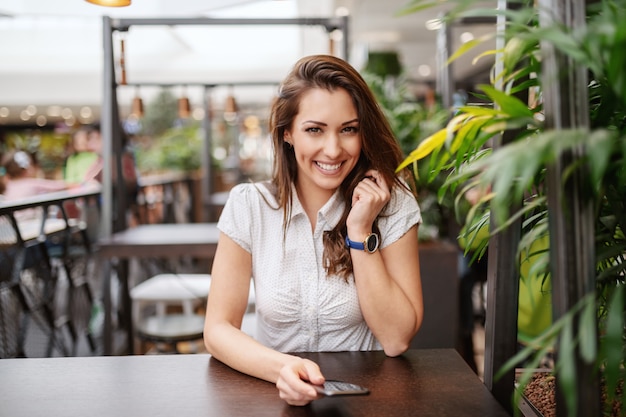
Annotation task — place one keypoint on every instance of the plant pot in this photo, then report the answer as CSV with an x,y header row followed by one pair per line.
x,y
538,398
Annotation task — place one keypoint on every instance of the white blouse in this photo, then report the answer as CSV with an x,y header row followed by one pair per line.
x,y
299,308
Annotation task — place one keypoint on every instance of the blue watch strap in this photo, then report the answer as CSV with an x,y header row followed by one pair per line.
x,y
354,245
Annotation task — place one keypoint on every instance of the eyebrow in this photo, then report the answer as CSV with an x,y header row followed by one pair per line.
x,y
324,124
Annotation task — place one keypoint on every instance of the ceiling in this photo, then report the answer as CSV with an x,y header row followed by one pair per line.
x,y
51,53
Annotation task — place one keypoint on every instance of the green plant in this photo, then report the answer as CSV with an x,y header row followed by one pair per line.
x,y
411,122
161,114
383,64
48,147
168,143
178,148
516,172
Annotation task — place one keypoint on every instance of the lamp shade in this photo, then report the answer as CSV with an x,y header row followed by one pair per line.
x,y
110,3
137,107
231,105
184,108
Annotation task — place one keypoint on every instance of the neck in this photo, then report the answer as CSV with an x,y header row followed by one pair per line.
x,y
312,201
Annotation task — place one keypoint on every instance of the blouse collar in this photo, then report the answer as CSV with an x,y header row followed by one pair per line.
x,y
330,213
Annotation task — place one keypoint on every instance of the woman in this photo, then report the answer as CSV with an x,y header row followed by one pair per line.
x,y
79,165
22,177
310,238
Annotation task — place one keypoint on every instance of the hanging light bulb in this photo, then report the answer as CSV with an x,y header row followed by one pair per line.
x,y
184,107
110,3
230,107
136,109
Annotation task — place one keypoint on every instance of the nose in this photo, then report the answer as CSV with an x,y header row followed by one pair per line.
x,y
332,146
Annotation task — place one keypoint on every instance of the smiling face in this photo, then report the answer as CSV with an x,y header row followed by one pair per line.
x,y
326,141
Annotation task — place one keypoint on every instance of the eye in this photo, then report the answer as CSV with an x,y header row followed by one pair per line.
x,y
313,130
351,130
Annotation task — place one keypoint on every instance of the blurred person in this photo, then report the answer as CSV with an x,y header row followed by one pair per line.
x,y
330,241
78,167
22,179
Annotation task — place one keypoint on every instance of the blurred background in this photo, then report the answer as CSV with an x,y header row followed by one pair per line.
x,y
173,82
52,51
51,72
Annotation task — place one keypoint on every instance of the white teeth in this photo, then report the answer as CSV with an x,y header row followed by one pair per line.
x,y
327,167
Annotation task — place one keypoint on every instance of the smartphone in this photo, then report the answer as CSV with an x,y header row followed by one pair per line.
x,y
333,388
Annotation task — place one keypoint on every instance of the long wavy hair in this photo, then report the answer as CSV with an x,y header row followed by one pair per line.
x,y
379,150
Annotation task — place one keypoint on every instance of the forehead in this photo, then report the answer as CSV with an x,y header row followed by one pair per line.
x,y
321,104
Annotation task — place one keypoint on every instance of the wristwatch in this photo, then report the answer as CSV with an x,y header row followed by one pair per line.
x,y
369,245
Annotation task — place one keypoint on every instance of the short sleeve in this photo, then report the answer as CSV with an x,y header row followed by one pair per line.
x,y
402,213
236,218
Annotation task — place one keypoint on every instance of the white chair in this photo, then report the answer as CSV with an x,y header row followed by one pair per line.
x,y
187,291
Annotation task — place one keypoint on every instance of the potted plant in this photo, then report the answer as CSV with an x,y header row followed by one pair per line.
x,y
412,122
516,172
167,143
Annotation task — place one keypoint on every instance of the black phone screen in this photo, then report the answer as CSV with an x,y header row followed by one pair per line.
x,y
333,387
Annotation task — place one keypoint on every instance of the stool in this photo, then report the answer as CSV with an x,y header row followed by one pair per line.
x,y
161,291
188,291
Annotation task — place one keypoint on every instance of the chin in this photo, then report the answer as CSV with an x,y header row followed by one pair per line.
x,y
330,185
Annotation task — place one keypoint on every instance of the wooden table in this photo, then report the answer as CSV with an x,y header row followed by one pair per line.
x,y
173,240
432,382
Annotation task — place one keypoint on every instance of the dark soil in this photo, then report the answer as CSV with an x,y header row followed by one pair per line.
x,y
540,393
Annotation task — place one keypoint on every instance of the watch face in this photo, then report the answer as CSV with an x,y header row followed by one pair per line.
x,y
372,243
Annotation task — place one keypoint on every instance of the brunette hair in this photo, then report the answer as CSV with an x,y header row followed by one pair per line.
x,y
379,150
16,163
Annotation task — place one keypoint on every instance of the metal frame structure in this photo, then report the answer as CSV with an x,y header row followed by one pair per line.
x,y
444,81
113,200
571,217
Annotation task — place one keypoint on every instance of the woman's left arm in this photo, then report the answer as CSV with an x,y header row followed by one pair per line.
x,y
388,281
390,292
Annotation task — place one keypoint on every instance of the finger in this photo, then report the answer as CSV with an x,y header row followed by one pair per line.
x,y
368,190
293,395
313,374
377,178
293,398
292,379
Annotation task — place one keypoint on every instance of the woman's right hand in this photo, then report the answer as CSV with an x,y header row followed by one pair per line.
x,y
295,379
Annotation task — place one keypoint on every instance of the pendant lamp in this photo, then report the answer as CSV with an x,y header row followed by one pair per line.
x,y
230,109
231,105
184,107
136,109
110,3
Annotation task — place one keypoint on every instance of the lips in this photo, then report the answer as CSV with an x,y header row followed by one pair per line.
x,y
328,167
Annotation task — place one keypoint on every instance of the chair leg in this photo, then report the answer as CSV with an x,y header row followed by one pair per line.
x,y
40,304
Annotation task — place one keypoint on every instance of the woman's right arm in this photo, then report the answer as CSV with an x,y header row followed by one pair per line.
x,y
226,305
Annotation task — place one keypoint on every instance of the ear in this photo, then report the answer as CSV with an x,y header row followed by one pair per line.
x,y
287,137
